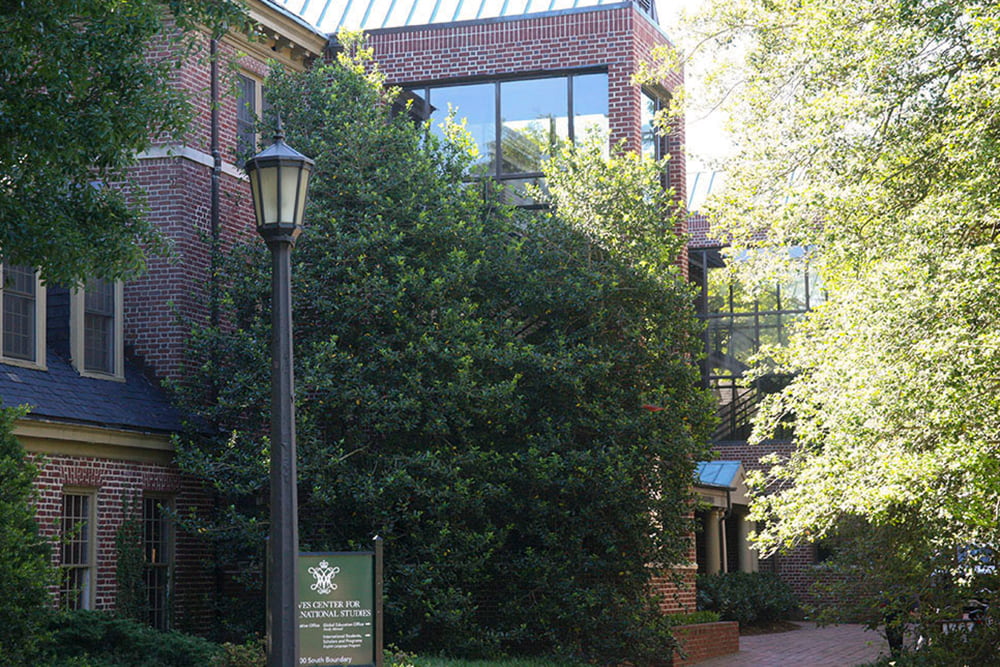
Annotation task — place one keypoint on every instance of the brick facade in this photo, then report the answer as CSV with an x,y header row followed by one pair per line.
x,y
616,38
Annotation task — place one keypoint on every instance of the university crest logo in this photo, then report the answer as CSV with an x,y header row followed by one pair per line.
x,y
324,575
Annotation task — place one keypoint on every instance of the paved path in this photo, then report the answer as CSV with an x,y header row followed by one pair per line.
x,y
809,646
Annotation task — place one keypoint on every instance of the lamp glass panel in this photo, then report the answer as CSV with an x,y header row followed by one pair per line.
x,y
268,194
289,190
301,198
258,206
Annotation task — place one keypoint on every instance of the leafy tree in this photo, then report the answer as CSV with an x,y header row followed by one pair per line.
x,y
471,381
25,571
80,96
868,130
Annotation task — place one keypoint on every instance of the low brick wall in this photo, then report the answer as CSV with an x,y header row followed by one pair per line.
x,y
706,640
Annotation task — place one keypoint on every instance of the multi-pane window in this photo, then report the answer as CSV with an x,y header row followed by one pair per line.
x,y
247,105
22,316
76,587
96,329
19,308
739,323
516,124
99,342
157,550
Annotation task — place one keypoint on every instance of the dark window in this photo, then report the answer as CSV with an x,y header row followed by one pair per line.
x,y
246,118
75,587
157,551
99,326
19,306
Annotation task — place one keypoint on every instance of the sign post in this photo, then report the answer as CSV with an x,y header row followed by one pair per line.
x,y
339,608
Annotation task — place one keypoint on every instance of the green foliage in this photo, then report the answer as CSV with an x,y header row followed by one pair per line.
x,y
25,570
249,654
695,618
130,592
470,387
752,598
868,130
100,639
80,98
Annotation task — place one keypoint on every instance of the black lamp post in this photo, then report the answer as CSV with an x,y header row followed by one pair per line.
x,y
279,181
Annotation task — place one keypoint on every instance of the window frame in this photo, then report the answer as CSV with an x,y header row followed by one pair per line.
x,y
39,360
494,172
89,596
78,341
159,615
260,107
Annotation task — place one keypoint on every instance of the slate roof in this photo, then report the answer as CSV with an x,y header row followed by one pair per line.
x,y
61,394
720,474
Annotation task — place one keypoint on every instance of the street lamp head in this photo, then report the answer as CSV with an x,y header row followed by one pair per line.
x,y
279,182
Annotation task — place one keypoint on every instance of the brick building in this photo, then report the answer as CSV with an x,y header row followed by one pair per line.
x,y
100,424
89,361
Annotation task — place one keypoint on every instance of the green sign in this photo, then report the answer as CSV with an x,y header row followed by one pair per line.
x,y
336,609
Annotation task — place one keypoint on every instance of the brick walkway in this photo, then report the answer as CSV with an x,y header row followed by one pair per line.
x,y
809,646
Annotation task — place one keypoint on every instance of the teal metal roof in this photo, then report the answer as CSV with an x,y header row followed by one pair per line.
x,y
721,474
329,16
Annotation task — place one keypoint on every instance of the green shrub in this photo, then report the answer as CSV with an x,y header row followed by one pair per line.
x,y
250,654
748,597
694,618
24,566
99,639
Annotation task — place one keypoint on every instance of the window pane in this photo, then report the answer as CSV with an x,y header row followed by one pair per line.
x,y
99,326
75,582
156,573
590,105
535,122
475,106
246,115
650,141
19,312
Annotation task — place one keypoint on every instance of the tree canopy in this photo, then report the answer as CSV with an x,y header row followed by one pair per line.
x,y
471,381
868,131
81,94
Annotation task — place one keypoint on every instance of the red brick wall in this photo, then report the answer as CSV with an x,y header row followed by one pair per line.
x,y
706,640
173,291
112,482
616,38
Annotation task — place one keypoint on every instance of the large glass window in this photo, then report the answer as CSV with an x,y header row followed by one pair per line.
x,y
158,552
76,587
535,122
517,123
739,323
473,105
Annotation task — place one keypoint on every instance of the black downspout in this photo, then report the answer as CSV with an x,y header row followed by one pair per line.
x,y
213,279
216,173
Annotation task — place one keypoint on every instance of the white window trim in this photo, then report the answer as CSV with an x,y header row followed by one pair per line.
x,y
91,598
39,361
258,110
76,334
